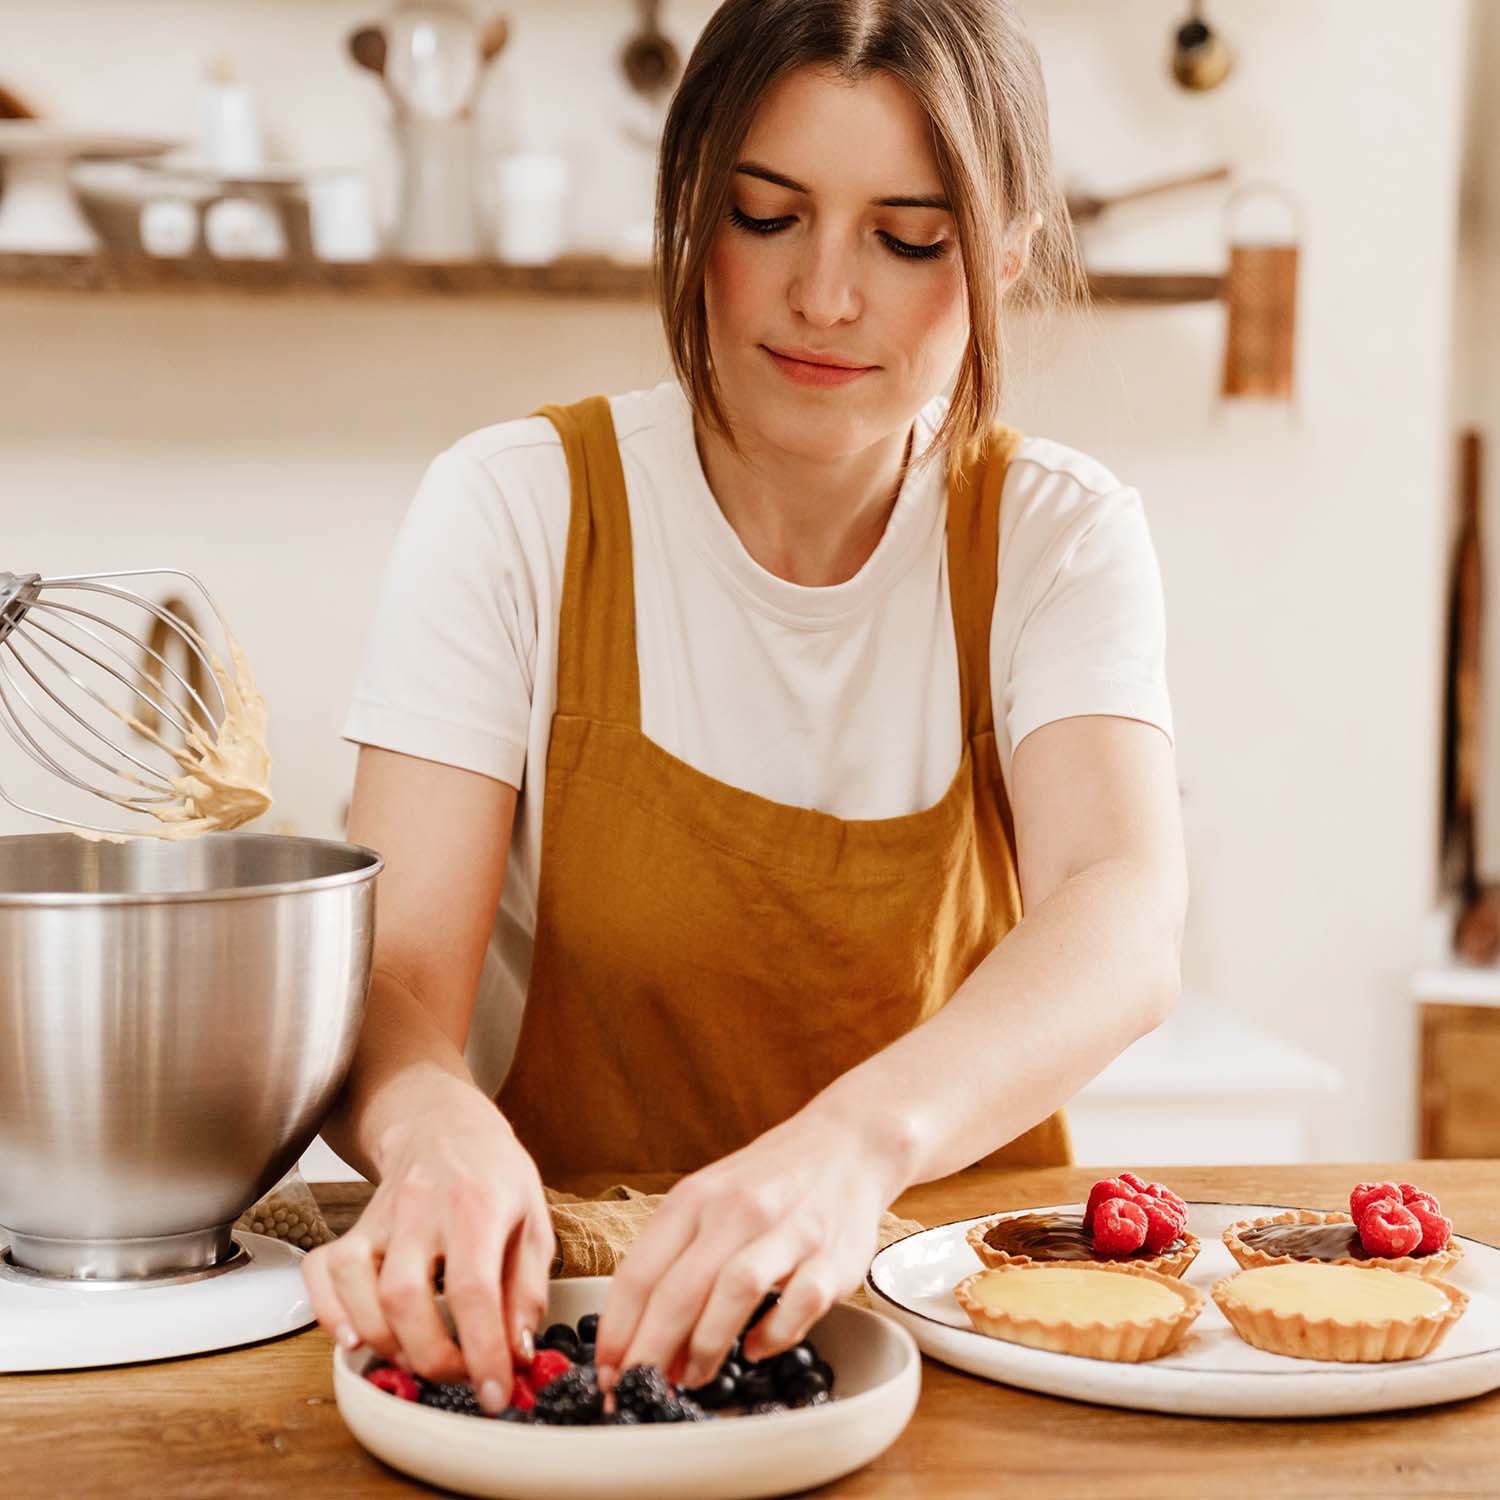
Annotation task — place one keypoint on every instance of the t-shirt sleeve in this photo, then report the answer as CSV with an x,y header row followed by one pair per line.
x,y
450,655
1080,622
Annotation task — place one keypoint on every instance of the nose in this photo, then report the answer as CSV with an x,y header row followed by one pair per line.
x,y
823,289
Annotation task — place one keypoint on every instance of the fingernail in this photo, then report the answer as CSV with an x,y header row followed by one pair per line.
x,y
491,1397
526,1346
347,1336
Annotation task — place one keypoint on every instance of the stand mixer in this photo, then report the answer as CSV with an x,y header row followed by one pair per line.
x,y
175,1021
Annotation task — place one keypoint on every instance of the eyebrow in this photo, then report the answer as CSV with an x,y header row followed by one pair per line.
x,y
927,200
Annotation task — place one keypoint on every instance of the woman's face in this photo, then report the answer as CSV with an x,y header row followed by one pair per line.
x,y
826,256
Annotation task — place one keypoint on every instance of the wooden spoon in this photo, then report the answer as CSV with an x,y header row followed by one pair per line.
x,y
1083,208
367,47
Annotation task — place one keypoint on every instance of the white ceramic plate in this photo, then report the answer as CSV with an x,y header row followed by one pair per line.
x,y
878,1375
1213,1373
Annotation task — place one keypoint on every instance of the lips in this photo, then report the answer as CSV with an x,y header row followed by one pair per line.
x,y
804,368
812,357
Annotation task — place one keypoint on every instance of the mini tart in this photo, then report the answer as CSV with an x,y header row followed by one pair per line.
x,y
1061,1239
1325,1239
1340,1311
1100,1311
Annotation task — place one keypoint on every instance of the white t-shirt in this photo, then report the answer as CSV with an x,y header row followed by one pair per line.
x,y
844,699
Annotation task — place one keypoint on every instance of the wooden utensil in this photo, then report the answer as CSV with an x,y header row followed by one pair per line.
x,y
1083,208
650,59
367,47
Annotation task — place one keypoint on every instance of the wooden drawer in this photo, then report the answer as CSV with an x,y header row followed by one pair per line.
x,y
1460,1081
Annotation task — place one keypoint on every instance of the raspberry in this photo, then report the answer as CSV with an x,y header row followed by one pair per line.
x,y
546,1367
1411,1193
1365,1193
522,1395
1163,1223
1158,1190
1119,1227
1131,1180
394,1382
1102,1192
1436,1230
1389,1229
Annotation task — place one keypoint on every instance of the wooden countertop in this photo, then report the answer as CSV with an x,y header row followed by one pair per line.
x,y
261,1424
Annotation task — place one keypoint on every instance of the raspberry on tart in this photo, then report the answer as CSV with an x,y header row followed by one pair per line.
x,y
1120,1224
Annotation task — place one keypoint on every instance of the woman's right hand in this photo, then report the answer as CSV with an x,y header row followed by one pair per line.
x,y
456,1190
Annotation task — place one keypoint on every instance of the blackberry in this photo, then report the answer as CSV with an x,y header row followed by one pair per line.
x,y
623,1419
560,1337
768,1408
717,1394
644,1390
818,1398
682,1409
588,1328
514,1414
571,1400
456,1397
793,1363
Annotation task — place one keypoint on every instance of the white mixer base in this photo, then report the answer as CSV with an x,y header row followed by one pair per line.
x,y
73,1325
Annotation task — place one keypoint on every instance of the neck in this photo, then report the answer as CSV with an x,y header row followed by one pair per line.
x,y
810,522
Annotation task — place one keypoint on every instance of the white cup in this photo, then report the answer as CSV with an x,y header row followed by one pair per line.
x,y
341,216
169,227
531,207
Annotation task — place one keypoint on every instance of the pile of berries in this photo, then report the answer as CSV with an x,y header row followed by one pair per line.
x,y
560,1389
1397,1219
1126,1215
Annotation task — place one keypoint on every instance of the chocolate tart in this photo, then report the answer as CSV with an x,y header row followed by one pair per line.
x,y
1339,1311
1099,1311
1327,1239
1052,1237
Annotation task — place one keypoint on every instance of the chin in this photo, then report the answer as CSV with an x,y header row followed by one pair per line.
x,y
818,426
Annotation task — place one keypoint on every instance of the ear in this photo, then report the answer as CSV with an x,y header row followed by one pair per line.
x,y
1018,252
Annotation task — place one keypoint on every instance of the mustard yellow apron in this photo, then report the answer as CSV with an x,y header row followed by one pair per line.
x,y
707,960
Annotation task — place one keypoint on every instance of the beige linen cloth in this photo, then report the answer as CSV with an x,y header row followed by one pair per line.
x,y
593,1234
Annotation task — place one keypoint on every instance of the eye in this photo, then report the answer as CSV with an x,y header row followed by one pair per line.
x,y
743,221
915,252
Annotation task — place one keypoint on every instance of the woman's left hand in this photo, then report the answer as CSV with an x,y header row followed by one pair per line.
x,y
799,1208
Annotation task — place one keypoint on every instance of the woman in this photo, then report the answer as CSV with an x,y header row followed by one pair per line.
x,y
742,718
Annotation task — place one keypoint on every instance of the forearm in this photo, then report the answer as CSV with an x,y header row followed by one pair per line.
x,y
403,1061
1092,968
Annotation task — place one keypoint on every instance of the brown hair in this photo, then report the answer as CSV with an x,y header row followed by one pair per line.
x,y
971,66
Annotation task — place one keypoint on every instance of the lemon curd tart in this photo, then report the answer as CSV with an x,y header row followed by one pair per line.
x,y
1115,1312
1342,1312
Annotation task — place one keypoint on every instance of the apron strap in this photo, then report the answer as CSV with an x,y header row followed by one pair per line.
x,y
598,676
976,478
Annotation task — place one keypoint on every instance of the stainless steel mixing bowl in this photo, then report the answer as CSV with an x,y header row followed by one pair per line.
x,y
175,1019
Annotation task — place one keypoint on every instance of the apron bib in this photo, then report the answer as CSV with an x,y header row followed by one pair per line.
x,y
707,960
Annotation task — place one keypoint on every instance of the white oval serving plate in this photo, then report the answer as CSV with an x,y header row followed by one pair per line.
x,y
878,1376
1213,1373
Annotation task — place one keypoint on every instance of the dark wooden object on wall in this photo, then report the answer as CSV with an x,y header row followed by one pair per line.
x,y
1460,1089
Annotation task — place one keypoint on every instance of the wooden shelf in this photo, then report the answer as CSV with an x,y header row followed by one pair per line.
x,y
576,277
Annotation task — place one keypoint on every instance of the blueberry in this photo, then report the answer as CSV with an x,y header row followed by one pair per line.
x,y
807,1385
560,1337
585,1355
756,1385
766,1304
826,1371
588,1328
717,1394
793,1363
733,1368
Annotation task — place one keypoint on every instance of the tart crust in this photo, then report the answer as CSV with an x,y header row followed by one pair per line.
x,y
1249,1257
1128,1342
1370,1341
1165,1265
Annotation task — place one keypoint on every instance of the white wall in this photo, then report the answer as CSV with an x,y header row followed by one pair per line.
x,y
274,445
